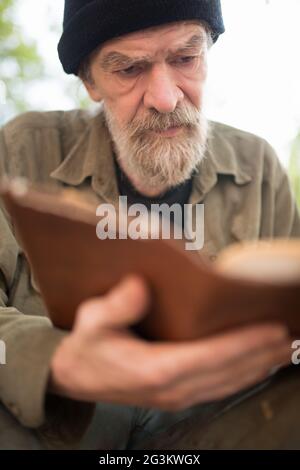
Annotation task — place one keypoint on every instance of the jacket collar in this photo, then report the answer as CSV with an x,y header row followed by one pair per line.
x,y
221,158
92,156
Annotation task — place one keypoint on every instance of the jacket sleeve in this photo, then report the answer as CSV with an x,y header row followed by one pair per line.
x,y
279,204
287,218
30,341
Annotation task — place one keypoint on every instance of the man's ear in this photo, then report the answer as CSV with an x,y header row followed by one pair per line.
x,y
92,90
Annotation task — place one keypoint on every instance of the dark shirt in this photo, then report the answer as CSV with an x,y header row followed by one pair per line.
x,y
178,195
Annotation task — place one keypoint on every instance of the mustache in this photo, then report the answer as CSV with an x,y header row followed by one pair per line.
x,y
187,116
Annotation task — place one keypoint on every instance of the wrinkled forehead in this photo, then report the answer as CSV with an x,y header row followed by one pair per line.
x,y
169,36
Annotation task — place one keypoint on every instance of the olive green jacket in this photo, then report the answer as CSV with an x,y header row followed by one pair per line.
x,y
246,196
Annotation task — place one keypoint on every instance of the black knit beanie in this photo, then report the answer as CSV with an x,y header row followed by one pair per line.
x,y
89,23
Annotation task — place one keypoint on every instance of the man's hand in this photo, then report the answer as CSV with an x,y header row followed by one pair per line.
x,y
101,360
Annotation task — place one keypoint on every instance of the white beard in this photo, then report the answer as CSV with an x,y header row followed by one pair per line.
x,y
156,161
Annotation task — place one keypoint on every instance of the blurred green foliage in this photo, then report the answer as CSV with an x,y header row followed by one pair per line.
x,y
19,59
294,167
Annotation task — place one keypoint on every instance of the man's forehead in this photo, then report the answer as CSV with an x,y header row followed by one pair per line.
x,y
144,45
171,36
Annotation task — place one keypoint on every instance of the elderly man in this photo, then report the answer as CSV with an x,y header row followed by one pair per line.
x,y
99,386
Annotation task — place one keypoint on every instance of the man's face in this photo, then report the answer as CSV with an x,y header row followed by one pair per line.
x,y
151,83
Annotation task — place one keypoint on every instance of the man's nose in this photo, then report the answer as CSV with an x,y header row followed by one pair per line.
x,y
162,93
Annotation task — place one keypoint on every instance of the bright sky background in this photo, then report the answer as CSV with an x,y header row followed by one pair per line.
x,y
254,75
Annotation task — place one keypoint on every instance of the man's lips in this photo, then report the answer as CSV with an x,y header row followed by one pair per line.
x,y
170,132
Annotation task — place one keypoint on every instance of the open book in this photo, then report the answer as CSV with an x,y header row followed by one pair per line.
x,y
191,298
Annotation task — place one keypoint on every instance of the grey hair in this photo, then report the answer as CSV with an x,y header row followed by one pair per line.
x,y
85,73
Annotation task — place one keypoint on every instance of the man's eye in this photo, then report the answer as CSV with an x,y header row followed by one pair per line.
x,y
185,60
132,71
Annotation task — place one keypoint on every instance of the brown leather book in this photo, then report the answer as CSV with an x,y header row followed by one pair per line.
x,y
191,298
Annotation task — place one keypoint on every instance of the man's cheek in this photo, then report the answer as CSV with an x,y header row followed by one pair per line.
x,y
194,92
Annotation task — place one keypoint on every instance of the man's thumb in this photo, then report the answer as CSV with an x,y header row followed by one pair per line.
x,y
122,306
